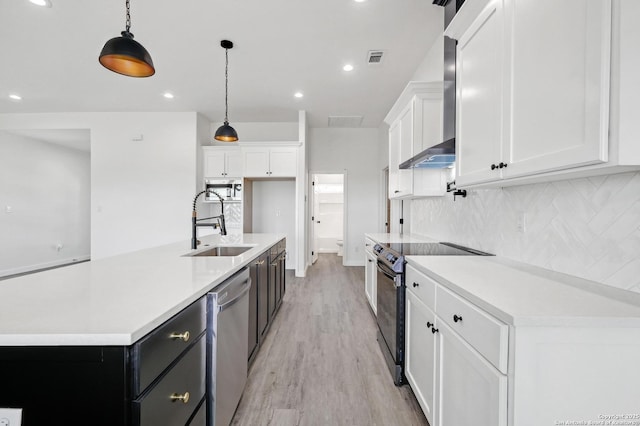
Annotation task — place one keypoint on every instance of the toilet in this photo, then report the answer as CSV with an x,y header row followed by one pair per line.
x,y
339,243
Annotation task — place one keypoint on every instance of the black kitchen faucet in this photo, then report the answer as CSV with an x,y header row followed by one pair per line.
x,y
195,222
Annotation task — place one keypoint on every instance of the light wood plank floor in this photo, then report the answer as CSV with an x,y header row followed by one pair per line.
x,y
320,363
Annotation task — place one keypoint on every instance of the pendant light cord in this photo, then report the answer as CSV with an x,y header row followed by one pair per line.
x,y
226,86
128,21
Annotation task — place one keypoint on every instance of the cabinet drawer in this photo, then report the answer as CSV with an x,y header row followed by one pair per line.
x,y
200,418
486,334
158,349
422,286
187,377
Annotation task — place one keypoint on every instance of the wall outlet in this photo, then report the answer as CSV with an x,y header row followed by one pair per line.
x,y
521,223
10,416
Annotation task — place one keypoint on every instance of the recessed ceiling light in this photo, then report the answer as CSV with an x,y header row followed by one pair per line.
x,y
360,1
298,94
348,67
168,95
15,97
43,3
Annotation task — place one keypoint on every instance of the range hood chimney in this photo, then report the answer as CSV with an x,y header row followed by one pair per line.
x,y
443,154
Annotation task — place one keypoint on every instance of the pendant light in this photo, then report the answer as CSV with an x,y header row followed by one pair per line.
x,y
226,133
124,55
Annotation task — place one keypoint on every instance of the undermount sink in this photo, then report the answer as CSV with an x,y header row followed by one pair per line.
x,y
222,251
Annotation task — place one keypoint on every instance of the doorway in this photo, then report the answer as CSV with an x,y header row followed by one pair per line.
x,y
327,214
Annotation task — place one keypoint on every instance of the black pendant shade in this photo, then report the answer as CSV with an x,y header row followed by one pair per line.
x,y
126,56
226,133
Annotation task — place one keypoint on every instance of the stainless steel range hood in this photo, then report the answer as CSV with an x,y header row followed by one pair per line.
x,y
436,157
443,154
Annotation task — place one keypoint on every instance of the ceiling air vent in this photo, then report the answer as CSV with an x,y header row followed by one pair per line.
x,y
345,121
374,57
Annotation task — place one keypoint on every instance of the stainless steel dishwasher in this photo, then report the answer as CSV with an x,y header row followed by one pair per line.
x,y
227,347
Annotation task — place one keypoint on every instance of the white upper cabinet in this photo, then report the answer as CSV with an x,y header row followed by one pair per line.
x,y
222,162
270,162
479,97
415,123
532,87
559,109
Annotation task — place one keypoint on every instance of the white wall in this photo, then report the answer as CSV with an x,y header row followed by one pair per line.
x,y
141,191
356,152
47,188
274,211
432,66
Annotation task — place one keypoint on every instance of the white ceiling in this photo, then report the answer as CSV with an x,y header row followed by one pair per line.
x,y
50,56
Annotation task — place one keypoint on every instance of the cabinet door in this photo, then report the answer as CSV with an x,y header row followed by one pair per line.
x,y
559,81
394,156
283,162
256,162
471,391
253,310
214,163
370,280
420,362
405,176
479,97
406,134
263,294
233,164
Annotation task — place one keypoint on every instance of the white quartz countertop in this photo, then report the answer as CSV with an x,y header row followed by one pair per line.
x,y
525,295
116,300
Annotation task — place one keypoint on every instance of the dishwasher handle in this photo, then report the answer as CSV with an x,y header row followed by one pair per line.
x,y
246,286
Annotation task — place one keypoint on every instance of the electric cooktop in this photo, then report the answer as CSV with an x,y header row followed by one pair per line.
x,y
432,249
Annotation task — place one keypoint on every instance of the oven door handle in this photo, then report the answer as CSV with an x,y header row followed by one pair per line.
x,y
384,269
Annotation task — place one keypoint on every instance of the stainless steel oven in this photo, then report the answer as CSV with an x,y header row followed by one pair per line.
x,y
391,295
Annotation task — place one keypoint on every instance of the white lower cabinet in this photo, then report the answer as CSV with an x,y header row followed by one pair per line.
x,y
474,369
471,391
454,383
370,278
420,354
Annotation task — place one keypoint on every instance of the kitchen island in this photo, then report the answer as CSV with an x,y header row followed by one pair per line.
x,y
74,340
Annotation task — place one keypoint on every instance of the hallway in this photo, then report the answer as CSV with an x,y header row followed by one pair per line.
x,y
320,363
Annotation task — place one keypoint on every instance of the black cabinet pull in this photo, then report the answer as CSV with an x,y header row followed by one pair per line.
x,y
429,324
416,285
456,318
493,167
502,165
434,330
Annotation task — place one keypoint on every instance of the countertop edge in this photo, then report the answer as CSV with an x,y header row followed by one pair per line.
x,y
125,338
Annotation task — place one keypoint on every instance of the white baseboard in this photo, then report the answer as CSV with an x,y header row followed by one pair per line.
x,y
44,265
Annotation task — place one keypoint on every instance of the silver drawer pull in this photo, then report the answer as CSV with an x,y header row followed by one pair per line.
x,y
180,397
183,336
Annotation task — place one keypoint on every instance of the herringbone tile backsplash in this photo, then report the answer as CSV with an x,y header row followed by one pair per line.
x,y
585,227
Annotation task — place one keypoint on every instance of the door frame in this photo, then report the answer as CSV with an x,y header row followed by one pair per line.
x,y
345,209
